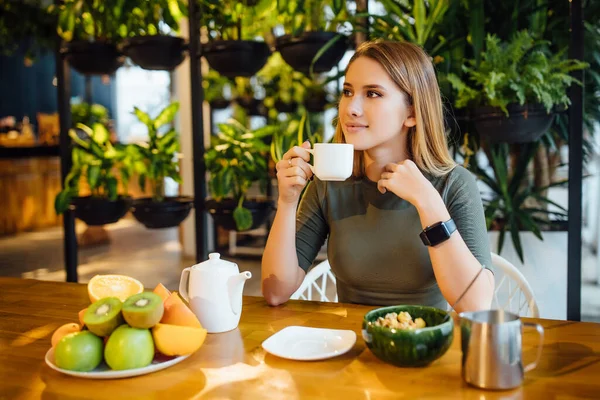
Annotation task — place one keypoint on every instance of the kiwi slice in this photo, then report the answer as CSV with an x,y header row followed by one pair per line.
x,y
104,316
143,310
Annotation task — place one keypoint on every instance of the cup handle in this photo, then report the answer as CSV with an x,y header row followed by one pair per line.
x,y
312,168
183,284
540,331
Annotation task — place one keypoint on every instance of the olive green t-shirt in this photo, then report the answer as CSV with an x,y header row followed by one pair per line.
x,y
373,242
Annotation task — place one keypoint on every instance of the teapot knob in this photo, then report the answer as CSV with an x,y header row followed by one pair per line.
x,y
214,256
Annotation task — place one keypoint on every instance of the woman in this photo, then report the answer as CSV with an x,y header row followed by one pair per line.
x,y
404,183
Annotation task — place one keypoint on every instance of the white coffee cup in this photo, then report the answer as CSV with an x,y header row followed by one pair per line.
x,y
333,161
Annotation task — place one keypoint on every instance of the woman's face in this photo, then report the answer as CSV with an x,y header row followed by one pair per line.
x,y
373,111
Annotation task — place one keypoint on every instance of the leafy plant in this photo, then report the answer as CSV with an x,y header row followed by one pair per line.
x,y
89,114
514,203
215,86
237,20
91,20
520,71
298,129
157,159
157,17
237,159
298,16
96,159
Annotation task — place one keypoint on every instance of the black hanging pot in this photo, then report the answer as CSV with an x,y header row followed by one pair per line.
x,y
299,51
93,58
99,211
232,58
253,107
524,124
316,103
162,214
286,107
222,212
219,104
156,52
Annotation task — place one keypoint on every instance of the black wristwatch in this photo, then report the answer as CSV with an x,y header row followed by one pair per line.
x,y
438,232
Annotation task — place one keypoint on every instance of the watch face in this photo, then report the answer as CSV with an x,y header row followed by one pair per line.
x,y
438,233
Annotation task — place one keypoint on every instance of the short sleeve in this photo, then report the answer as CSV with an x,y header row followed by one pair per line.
x,y
463,200
311,224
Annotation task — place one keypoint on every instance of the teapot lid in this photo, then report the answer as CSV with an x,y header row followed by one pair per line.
x,y
214,261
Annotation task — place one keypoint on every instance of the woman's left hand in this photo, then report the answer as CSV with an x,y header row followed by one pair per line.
x,y
406,181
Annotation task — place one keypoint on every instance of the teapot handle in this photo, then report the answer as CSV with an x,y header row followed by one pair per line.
x,y
183,284
540,331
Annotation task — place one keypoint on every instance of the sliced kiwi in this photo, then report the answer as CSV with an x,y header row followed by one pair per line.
x,y
143,310
104,316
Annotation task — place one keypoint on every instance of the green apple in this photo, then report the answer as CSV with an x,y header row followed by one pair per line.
x,y
129,348
79,351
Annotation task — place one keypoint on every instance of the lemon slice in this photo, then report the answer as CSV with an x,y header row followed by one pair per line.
x,y
120,286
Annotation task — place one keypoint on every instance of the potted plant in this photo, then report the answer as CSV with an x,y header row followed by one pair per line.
x,y
97,161
232,28
150,46
89,114
245,96
312,43
157,160
91,31
515,88
235,161
215,87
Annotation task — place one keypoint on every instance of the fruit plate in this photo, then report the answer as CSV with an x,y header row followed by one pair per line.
x,y
309,344
104,372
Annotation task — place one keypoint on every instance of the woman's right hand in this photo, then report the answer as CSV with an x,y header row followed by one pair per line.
x,y
293,173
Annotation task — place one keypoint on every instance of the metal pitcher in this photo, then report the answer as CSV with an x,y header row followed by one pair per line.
x,y
491,348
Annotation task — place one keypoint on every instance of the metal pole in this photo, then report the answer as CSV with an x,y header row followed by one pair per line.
x,y
63,86
198,133
575,168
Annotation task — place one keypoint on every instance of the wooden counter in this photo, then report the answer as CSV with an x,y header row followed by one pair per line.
x,y
233,365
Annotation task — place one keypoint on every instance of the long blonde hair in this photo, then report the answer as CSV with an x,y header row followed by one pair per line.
x,y
412,71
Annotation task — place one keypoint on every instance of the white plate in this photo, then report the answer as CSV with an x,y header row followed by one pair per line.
x,y
306,344
104,372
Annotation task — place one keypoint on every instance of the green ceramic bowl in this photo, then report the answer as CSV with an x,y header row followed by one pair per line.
x,y
409,348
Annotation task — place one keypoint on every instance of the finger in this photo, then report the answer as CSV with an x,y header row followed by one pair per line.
x,y
306,144
283,164
294,171
304,165
387,175
297,151
391,167
296,181
381,186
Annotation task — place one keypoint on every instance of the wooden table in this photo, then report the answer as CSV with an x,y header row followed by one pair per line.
x,y
233,365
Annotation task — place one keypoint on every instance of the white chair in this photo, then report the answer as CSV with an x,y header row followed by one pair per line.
x,y
512,292
316,279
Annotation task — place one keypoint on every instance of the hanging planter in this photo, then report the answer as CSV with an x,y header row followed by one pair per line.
x,y
222,212
524,124
157,52
253,107
167,213
299,51
458,124
219,104
98,210
316,103
93,58
232,58
287,108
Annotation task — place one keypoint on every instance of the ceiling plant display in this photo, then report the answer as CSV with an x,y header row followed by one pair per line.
x,y
151,26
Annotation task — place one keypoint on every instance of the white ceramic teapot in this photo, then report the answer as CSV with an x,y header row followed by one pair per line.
x,y
214,290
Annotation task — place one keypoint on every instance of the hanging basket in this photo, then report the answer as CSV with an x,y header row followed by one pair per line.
x,y
299,51
526,123
96,211
222,212
253,107
286,107
219,104
232,58
93,58
316,103
159,53
162,214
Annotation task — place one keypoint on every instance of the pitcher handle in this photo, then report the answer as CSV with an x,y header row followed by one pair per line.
x,y
183,284
540,331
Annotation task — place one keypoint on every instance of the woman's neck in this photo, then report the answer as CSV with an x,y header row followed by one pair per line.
x,y
377,158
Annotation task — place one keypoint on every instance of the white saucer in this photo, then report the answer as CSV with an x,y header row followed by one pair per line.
x,y
104,372
307,344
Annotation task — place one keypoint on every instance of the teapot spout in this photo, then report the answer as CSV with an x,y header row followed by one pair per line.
x,y
235,285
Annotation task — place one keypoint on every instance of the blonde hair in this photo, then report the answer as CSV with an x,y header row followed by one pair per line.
x,y
412,71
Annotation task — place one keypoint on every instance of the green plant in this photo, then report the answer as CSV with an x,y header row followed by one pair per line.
x,y
157,159
157,17
298,16
89,114
236,20
515,202
298,129
97,160
237,159
520,71
215,86
91,20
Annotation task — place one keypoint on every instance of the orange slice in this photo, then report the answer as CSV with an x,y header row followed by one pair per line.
x,y
120,286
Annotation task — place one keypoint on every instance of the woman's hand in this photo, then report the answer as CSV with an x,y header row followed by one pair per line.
x,y
293,173
406,181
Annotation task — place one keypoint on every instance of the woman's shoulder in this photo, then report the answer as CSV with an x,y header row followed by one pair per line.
x,y
459,181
